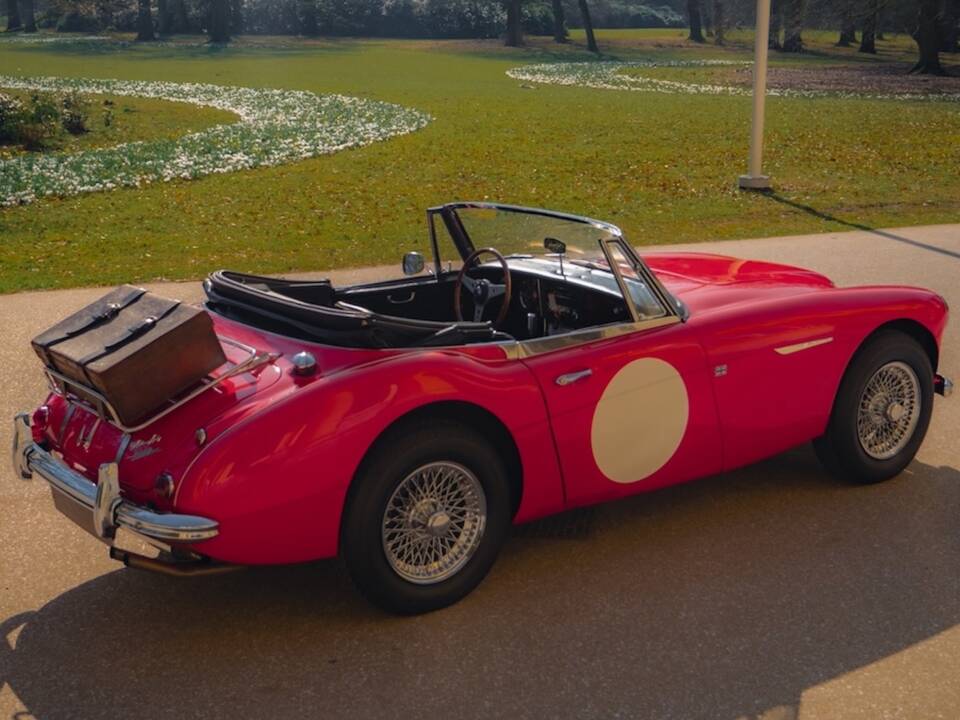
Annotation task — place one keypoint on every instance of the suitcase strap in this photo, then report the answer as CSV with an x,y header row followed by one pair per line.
x,y
107,312
132,332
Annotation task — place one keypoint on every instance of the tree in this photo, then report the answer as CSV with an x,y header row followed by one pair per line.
x,y
308,18
793,26
868,32
27,16
696,21
588,26
144,22
164,18
951,26
776,21
718,22
927,37
560,34
236,17
514,36
219,31
848,25
13,16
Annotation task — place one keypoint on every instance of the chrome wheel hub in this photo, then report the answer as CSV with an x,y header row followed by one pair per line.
x,y
433,522
889,410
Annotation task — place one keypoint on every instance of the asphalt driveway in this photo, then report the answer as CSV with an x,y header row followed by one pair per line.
x,y
772,592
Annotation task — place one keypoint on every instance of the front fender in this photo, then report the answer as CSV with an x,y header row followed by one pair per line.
x,y
277,481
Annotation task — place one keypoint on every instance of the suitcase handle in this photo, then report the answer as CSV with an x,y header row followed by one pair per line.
x,y
148,323
133,331
107,312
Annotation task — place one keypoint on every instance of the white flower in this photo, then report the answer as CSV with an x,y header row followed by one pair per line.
x,y
274,127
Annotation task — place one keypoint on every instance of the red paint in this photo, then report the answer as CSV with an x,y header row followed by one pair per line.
x,y
281,451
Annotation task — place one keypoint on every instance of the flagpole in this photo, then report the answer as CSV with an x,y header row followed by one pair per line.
x,y
755,179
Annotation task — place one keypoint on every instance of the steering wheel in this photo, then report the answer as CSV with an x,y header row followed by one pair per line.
x,y
482,290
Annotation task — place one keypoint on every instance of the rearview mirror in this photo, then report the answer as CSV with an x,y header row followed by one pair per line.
x,y
412,263
557,247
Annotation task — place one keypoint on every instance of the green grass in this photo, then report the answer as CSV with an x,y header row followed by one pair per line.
x,y
663,167
132,119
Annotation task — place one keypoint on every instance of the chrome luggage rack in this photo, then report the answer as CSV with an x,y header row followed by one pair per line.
x,y
96,402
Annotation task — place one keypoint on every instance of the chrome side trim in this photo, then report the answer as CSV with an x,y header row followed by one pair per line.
x,y
103,500
538,346
790,349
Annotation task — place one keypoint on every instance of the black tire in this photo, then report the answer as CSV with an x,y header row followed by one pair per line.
x,y
392,460
839,448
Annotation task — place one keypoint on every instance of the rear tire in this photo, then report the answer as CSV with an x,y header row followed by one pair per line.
x,y
426,517
881,412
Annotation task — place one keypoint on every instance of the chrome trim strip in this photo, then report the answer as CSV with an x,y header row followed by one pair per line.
x,y
790,349
103,500
538,346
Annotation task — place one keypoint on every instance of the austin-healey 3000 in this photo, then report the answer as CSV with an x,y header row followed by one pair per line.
x,y
535,363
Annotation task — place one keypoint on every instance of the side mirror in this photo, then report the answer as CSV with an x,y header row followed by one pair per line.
x,y
412,263
557,247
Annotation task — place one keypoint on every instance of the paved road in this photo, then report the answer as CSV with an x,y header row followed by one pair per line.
x,y
772,592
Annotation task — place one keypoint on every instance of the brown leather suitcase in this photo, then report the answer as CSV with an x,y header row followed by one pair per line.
x,y
135,348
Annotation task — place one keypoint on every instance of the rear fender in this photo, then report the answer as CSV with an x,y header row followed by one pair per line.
x,y
277,482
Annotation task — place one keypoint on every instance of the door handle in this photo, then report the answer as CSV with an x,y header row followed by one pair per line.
x,y
570,378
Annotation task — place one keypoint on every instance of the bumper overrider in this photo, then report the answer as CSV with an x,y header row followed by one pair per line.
x,y
98,507
942,386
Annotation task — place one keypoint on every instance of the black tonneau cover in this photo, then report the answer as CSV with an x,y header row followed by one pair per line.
x,y
308,309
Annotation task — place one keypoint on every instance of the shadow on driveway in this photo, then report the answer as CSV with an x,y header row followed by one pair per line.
x,y
717,599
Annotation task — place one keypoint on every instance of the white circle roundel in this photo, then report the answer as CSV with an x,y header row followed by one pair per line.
x,y
640,420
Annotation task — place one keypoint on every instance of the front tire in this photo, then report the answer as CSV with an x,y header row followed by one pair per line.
x,y
881,412
426,517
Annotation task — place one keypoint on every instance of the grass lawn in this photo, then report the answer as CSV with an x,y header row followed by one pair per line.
x,y
663,167
131,119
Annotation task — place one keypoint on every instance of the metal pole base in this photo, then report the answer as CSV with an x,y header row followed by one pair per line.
x,y
754,182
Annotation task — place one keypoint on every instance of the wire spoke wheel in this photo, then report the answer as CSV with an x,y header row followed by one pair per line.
x,y
434,522
889,410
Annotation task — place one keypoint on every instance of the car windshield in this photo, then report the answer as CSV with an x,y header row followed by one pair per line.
x,y
520,233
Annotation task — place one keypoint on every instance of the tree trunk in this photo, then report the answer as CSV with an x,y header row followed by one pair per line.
x,y
776,21
793,26
219,21
514,27
950,29
179,22
696,21
144,22
588,27
164,18
927,37
560,34
848,26
308,18
13,16
868,33
27,16
236,17
718,22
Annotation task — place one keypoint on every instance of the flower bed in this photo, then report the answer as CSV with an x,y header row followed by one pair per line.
x,y
611,76
274,127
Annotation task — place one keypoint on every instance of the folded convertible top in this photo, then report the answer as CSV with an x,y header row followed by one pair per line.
x,y
308,309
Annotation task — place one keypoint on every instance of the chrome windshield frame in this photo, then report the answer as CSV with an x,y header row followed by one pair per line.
x,y
461,239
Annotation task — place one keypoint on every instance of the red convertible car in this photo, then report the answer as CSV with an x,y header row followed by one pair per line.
x,y
536,365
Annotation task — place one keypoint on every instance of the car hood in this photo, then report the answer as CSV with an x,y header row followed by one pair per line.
x,y
705,281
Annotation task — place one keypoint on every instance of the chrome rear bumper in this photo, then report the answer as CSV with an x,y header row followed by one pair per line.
x,y
98,507
942,386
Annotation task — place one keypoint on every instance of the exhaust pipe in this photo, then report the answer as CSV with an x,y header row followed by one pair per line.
x,y
175,569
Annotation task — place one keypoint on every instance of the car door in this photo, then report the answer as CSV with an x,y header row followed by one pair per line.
x,y
631,408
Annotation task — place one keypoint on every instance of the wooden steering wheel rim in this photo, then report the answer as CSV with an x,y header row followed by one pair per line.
x,y
507,281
